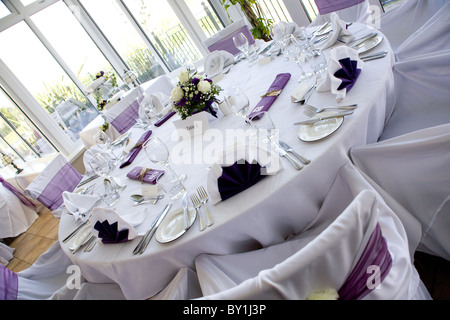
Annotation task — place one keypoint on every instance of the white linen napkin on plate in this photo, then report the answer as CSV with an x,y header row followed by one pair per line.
x,y
79,204
339,30
328,81
283,28
216,61
160,100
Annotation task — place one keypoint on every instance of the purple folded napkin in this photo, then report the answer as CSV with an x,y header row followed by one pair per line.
x,y
164,118
136,149
146,175
272,94
109,233
238,177
348,74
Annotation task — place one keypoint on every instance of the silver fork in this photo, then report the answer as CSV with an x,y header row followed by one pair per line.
x,y
196,203
203,195
311,111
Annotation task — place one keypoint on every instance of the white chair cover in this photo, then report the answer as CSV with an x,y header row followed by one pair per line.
x,y
162,84
124,113
400,23
46,276
58,176
321,257
15,217
414,169
422,94
184,286
358,12
6,254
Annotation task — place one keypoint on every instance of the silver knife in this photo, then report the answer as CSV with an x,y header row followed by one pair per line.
x,y
142,245
87,180
267,48
288,148
185,210
284,154
360,40
374,56
336,115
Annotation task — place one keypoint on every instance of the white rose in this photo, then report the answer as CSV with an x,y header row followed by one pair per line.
x,y
183,76
177,94
204,86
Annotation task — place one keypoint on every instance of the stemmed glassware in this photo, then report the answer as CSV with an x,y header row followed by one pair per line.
x,y
237,101
149,111
263,127
241,42
102,138
158,153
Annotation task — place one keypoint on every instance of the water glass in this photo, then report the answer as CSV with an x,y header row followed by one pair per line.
x,y
241,42
237,101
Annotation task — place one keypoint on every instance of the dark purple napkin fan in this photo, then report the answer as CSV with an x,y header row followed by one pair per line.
x,y
238,177
348,74
109,233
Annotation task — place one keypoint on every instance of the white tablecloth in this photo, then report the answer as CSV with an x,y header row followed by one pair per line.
x,y
262,215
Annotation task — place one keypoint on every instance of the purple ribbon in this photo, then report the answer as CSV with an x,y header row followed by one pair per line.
x,y
150,176
137,149
66,179
227,43
124,121
375,254
17,193
109,233
166,117
238,177
266,102
348,74
327,6
9,284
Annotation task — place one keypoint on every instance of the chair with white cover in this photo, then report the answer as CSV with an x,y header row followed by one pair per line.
x,y
43,280
403,21
122,115
347,10
58,176
363,248
223,39
414,169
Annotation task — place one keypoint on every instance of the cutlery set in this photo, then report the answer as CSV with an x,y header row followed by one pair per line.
x,y
197,202
286,151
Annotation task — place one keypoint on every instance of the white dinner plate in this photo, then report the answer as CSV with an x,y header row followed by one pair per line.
x,y
172,227
368,44
320,129
80,236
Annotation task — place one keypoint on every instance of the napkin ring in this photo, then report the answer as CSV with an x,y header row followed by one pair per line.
x,y
272,93
142,174
138,145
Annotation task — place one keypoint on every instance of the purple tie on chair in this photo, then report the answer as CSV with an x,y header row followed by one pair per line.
x,y
9,284
348,74
375,257
272,94
227,43
238,177
124,121
18,194
328,6
136,149
66,179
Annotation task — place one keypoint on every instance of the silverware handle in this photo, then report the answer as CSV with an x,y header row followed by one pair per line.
x,y
74,232
210,221
294,163
301,158
202,224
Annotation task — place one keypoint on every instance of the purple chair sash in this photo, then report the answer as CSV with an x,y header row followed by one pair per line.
x,y
137,149
9,284
227,43
266,102
66,179
124,121
18,194
327,6
375,254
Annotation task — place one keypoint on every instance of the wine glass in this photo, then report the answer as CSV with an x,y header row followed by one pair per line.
x,y
263,127
241,42
158,153
102,166
237,101
149,110
102,138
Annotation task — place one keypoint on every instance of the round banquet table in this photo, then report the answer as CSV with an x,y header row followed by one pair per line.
x,y
263,215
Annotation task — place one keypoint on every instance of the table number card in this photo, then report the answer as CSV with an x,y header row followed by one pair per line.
x,y
194,125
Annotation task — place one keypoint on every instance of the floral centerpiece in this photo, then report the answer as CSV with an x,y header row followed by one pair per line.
x,y
101,102
194,93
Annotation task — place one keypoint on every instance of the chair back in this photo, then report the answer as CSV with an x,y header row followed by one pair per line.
x,y
122,115
347,10
58,176
223,39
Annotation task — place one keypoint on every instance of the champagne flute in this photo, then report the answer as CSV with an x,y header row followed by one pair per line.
x,y
158,153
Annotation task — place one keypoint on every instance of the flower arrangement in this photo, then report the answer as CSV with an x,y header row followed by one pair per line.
x,y
194,93
112,79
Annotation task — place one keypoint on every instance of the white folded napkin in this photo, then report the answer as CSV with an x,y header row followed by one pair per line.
x,y
161,102
109,217
216,61
339,30
283,28
329,82
79,204
92,151
240,153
